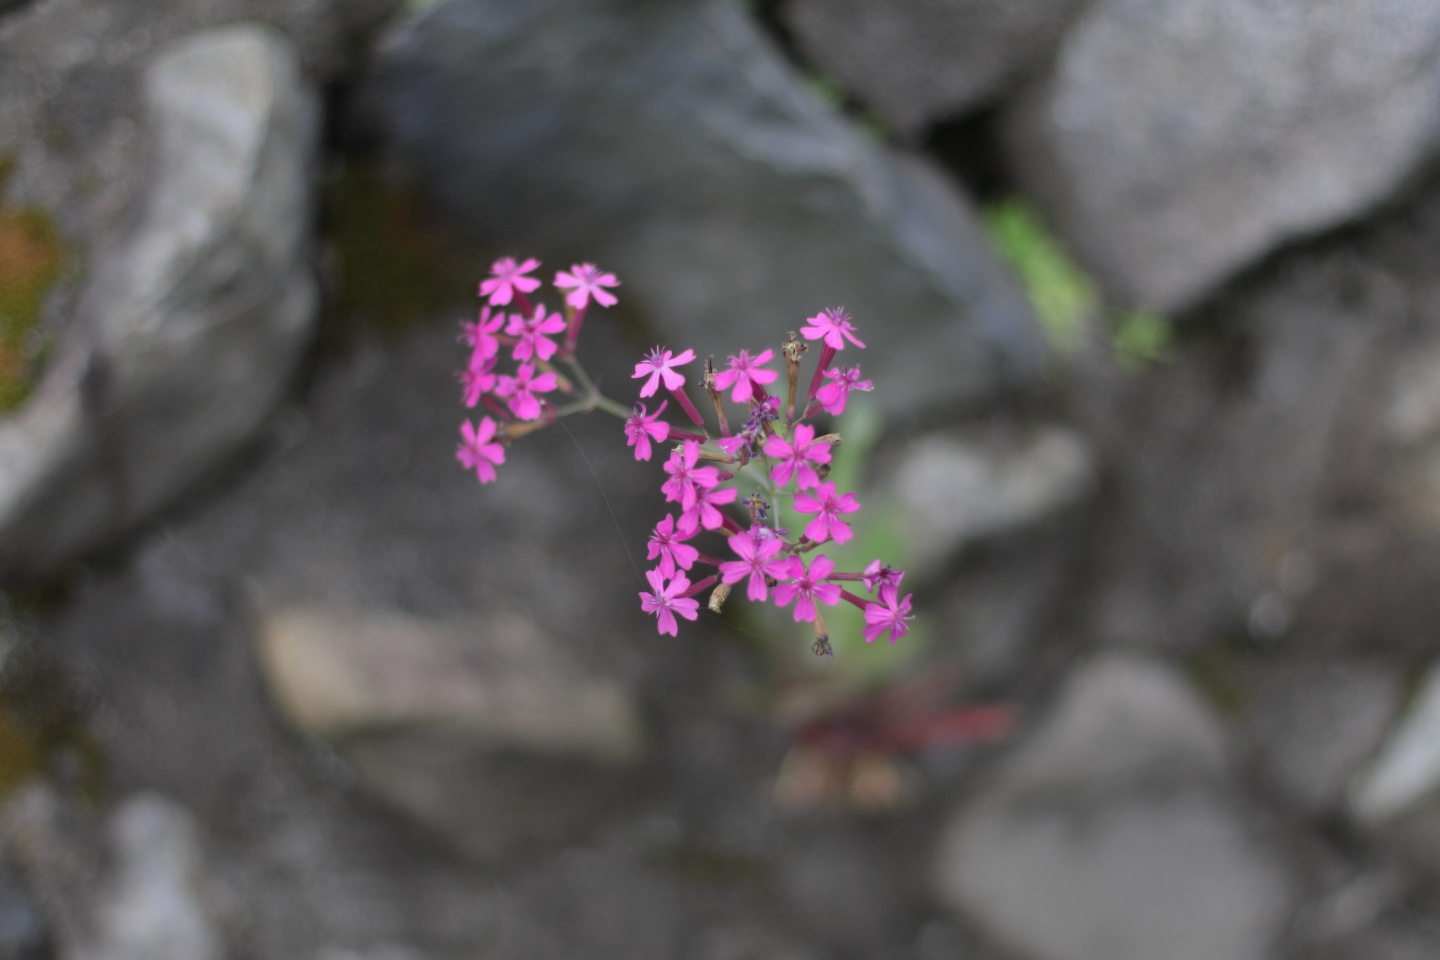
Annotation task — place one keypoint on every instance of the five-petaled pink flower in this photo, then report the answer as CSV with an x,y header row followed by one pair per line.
x,y
659,365
686,480
506,278
476,452
756,548
746,374
806,585
796,457
879,574
705,511
478,380
642,427
481,336
829,506
832,396
665,544
585,283
667,600
833,326
887,615
520,390
533,342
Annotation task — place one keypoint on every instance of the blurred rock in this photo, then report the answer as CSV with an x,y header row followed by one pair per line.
x,y
190,326
1313,723
1408,769
1176,143
1270,476
1112,834
959,488
127,886
152,910
917,61
672,144
24,932
485,730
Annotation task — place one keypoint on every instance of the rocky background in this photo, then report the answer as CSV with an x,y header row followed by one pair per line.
x,y
1154,324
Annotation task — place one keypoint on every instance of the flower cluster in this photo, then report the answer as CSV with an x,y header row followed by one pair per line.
x,y
520,398
777,456
774,454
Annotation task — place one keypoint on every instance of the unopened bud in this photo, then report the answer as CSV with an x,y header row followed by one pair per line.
x,y
717,597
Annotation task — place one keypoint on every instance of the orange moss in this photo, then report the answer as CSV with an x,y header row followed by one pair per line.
x,y
31,259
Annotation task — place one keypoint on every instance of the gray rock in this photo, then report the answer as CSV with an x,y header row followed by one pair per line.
x,y
152,910
482,730
126,886
1276,478
1111,834
191,326
1176,143
1314,723
917,61
671,144
1407,771
959,488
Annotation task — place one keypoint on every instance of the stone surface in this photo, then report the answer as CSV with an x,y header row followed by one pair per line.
x,y
191,325
152,910
917,61
1111,834
1408,768
671,144
482,730
1176,143
959,488
1263,481
1314,723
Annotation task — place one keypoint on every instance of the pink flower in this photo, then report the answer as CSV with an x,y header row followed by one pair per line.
x,y
481,336
660,365
807,585
666,545
705,511
686,480
521,389
796,457
756,549
887,615
584,281
829,507
642,427
832,396
834,326
667,601
745,374
478,380
533,342
506,279
881,575
477,452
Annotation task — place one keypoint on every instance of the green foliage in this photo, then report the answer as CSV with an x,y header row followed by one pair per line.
x,y
1142,336
1062,295
31,261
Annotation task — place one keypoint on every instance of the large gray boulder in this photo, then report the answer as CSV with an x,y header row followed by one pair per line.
x,y
191,324
1112,834
1176,143
673,145
917,61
